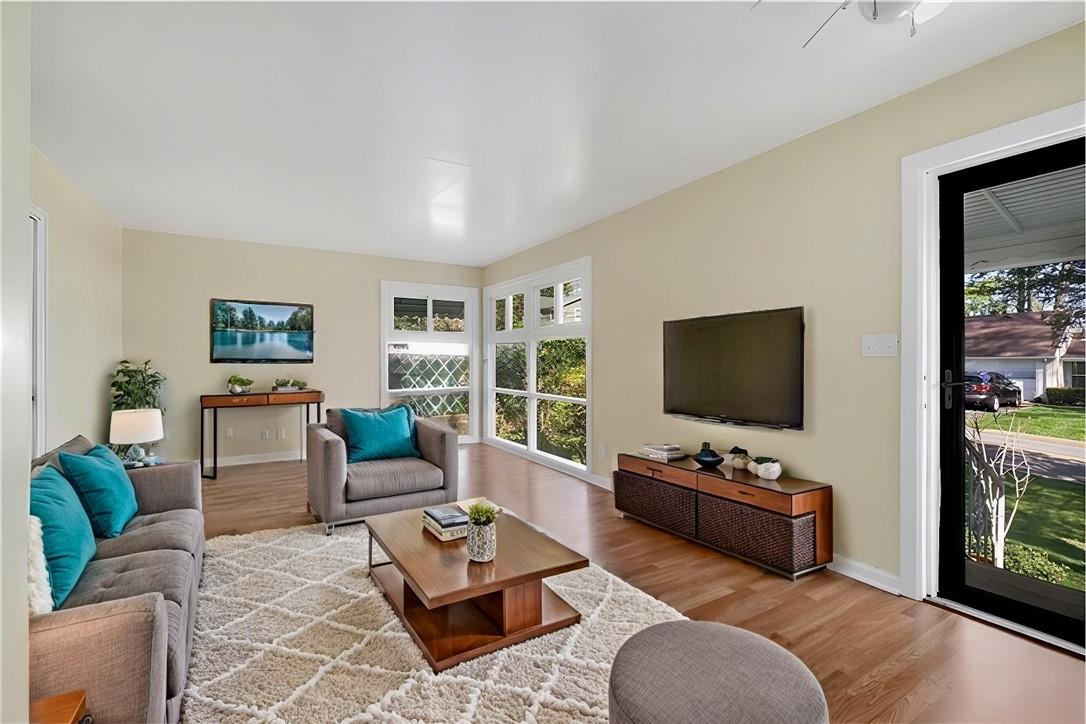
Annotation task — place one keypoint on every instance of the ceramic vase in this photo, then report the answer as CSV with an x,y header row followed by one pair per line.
x,y
707,457
770,470
482,542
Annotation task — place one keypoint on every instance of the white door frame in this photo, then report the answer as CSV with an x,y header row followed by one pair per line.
x,y
40,241
920,322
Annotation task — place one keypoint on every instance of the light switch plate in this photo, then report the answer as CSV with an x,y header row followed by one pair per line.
x,y
878,345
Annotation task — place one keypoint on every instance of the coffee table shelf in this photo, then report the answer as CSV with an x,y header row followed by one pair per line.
x,y
455,609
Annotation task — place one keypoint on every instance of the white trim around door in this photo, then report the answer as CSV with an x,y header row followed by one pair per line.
x,y
39,238
919,466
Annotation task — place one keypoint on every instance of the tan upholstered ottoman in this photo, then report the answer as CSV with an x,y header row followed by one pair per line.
x,y
696,672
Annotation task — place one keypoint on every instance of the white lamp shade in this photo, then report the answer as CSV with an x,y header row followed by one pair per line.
x,y
131,427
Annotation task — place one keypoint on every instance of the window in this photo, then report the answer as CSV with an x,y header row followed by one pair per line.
x,y
1078,374
428,356
538,365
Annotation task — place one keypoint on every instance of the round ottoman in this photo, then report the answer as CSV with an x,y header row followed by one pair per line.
x,y
690,672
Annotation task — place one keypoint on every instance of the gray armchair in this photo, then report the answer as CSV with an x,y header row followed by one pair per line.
x,y
342,492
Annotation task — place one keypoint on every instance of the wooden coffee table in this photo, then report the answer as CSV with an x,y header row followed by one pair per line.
x,y
456,609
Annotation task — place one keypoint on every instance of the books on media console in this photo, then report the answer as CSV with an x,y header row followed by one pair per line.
x,y
663,452
444,534
449,516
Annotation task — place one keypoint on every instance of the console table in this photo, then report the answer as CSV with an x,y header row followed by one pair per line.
x,y
305,398
784,525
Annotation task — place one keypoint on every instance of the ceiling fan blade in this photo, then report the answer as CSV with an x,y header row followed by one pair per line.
x,y
840,7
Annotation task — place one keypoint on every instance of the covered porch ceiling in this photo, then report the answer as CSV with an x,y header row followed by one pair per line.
x,y
1038,220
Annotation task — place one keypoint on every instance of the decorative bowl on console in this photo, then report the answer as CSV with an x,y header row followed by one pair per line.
x,y
707,457
765,468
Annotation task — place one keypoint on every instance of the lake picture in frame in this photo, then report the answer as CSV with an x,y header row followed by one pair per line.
x,y
255,332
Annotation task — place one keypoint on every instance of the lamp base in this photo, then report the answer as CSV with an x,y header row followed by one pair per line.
x,y
135,454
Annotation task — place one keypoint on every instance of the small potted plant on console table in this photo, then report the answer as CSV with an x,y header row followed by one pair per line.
x,y
482,532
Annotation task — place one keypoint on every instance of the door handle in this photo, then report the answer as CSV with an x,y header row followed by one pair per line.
x,y
948,386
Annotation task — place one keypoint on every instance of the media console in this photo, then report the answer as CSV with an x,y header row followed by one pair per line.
x,y
784,525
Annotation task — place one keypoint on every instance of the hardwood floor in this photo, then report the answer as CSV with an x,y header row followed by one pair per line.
x,y
879,657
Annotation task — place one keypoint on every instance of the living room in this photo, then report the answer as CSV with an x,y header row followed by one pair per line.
x,y
316,219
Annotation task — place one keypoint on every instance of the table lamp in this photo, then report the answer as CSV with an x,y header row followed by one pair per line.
x,y
132,427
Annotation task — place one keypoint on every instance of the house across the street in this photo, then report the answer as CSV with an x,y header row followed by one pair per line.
x,y
1020,347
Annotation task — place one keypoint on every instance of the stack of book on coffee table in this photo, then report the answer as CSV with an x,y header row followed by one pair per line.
x,y
448,522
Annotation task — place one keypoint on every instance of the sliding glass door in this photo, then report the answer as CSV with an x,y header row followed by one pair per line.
x,y
538,360
1011,526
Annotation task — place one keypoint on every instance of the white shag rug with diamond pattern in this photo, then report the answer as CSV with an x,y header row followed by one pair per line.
x,y
291,628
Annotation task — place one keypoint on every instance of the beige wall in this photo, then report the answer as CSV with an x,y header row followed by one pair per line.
x,y
16,273
816,222
168,282
83,305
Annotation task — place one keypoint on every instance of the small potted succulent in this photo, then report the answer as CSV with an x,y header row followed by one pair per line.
x,y
288,384
238,384
482,532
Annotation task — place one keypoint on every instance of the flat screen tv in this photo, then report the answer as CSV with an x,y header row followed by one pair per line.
x,y
255,332
745,368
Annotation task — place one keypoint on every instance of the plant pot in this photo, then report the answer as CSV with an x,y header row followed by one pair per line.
x,y
482,542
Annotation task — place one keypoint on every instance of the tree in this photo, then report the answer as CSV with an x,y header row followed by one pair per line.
x,y
248,318
992,473
1059,288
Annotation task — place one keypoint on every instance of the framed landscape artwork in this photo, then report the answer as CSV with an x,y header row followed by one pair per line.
x,y
261,332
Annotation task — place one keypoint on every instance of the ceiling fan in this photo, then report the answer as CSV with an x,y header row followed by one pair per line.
x,y
884,12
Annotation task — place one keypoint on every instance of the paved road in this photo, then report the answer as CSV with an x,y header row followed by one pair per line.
x,y
1048,457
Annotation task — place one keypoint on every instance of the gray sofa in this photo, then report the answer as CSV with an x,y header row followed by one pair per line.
x,y
124,634
342,492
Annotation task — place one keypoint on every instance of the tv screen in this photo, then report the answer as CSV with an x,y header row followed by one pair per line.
x,y
272,332
742,368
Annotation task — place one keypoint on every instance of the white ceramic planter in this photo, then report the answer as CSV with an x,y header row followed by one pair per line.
x,y
482,542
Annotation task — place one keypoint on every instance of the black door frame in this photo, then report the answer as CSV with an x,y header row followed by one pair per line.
x,y
952,188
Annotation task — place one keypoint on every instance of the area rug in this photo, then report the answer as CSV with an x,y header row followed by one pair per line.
x,y
290,628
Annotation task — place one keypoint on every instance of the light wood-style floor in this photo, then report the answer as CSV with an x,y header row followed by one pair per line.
x,y
879,657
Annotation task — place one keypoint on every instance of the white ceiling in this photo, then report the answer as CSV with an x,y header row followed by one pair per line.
x,y
455,132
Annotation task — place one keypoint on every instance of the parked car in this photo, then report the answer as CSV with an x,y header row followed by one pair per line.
x,y
991,390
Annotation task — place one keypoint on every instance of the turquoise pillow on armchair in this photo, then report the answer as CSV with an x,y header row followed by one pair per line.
x,y
381,434
66,532
103,487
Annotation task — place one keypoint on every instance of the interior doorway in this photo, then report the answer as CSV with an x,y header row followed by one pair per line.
x,y
1011,284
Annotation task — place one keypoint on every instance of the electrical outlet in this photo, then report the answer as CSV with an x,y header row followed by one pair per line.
x,y
601,452
266,435
282,433
229,432
878,345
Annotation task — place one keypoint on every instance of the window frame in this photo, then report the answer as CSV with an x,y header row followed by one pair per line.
x,y
470,336
530,335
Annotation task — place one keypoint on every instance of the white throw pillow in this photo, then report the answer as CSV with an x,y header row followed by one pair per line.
x,y
39,592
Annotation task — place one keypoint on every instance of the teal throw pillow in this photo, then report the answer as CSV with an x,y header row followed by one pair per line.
x,y
67,537
103,488
381,434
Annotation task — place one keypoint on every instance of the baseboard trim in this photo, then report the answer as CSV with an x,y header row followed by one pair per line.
x,y
862,572
272,457
584,475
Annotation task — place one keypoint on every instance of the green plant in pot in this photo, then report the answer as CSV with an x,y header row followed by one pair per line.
x,y
482,531
135,387
237,384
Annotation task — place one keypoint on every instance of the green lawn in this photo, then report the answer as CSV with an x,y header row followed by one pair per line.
x,y
1068,423
1052,517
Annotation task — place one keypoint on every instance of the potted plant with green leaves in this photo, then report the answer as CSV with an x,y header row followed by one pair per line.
x,y
482,531
135,387
238,384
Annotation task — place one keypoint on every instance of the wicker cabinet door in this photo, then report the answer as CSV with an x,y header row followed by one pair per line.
x,y
787,544
662,504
